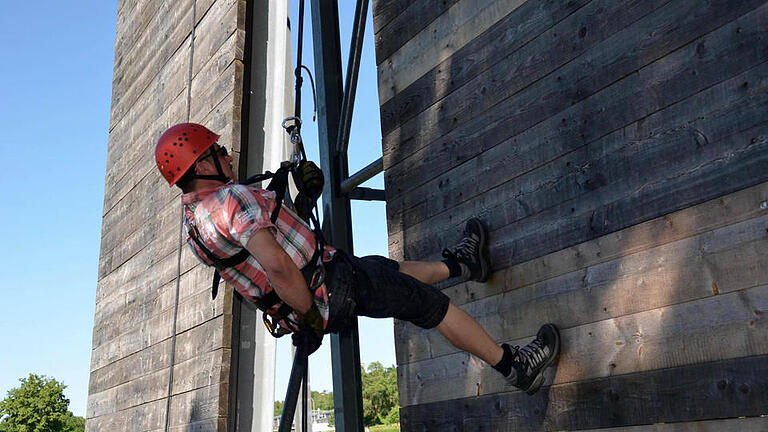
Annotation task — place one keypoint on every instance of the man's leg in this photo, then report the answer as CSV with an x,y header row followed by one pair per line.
x,y
467,334
425,271
523,367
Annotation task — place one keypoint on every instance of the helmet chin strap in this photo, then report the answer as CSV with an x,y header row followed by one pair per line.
x,y
219,177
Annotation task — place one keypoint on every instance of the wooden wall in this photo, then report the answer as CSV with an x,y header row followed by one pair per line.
x,y
618,151
134,322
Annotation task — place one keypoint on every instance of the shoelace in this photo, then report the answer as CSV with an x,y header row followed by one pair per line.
x,y
534,353
466,249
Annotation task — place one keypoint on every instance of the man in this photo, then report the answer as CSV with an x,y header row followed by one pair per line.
x,y
279,260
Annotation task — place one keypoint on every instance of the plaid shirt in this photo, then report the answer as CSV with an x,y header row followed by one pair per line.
x,y
227,217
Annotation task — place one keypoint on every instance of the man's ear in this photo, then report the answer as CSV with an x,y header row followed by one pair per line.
x,y
204,168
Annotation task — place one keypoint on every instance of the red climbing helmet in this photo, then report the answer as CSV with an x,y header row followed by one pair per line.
x,y
179,147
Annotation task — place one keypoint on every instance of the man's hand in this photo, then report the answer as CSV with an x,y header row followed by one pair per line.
x,y
311,334
281,271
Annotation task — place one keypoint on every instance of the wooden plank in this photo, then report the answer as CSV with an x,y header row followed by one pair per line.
x,y
451,31
573,181
216,28
580,87
206,403
198,341
154,114
145,334
141,390
195,308
385,11
553,143
138,67
511,34
149,416
711,215
728,258
394,34
617,205
132,22
744,424
667,337
201,371
212,424
730,388
151,359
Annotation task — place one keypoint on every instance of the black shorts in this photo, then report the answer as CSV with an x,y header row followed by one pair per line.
x,y
373,286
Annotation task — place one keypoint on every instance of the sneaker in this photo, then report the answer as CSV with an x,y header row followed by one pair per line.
x,y
530,361
471,252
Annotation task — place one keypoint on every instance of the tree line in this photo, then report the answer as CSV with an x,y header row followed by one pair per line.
x,y
380,400
38,404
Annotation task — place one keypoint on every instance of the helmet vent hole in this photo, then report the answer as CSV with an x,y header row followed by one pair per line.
x,y
178,169
181,144
174,144
171,156
186,139
167,161
194,151
184,133
166,153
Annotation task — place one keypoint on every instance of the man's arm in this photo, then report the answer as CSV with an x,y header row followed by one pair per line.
x,y
282,272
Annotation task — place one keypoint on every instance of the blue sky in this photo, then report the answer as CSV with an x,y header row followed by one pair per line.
x,y
55,94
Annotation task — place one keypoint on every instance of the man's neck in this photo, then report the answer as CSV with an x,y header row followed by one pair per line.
x,y
203,184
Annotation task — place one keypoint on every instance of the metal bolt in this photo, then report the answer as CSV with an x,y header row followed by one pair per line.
x,y
764,205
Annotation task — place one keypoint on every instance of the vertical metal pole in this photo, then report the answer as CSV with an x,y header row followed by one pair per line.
x,y
345,349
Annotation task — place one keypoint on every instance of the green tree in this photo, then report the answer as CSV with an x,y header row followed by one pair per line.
x,y
380,402
322,401
38,405
278,408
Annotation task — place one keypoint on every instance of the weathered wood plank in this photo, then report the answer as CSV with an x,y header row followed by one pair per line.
x,y
505,169
577,91
172,25
730,388
748,424
195,303
132,22
385,11
711,215
215,28
199,405
151,359
451,31
585,181
554,142
201,371
662,338
497,44
198,341
725,260
394,34
149,416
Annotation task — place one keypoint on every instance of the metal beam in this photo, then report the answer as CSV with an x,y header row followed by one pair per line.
x,y
367,194
362,176
337,220
353,68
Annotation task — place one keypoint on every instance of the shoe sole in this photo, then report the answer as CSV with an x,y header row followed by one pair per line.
x,y
483,250
539,380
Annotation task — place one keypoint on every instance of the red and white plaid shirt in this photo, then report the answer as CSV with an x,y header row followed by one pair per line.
x,y
228,216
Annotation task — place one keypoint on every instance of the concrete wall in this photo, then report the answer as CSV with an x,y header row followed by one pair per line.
x,y
618,151
156,62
